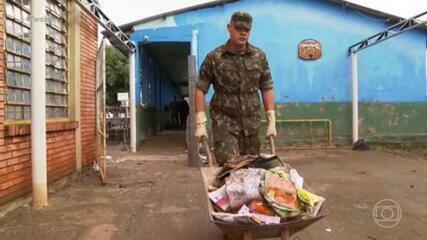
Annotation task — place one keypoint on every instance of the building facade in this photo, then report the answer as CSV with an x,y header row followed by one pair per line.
x,y
71,48
392,74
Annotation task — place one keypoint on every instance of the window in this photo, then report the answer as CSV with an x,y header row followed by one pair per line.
x,y
56,60
18,50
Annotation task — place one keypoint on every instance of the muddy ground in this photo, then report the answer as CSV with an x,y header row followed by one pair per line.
x,y
156,196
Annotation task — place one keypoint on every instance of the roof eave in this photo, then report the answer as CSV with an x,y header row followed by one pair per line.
x,y
128,26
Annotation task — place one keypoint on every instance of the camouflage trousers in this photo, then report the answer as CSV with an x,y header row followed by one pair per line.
x,y
228,145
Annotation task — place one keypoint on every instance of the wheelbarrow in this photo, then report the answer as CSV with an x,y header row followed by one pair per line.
x,y
283,230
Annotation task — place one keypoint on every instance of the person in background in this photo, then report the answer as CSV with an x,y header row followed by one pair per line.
x,y
184,109
174,107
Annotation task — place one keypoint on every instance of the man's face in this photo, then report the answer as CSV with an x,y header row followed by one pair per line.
x,y
238,35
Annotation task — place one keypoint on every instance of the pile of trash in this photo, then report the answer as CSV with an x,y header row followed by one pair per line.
x,y
261,190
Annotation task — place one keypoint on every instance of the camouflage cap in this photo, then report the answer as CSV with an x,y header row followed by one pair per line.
x,y
241,19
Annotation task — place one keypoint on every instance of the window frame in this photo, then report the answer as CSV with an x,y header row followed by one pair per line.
x,y
65,67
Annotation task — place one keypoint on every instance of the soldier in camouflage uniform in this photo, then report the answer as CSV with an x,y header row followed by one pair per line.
x,y
238,71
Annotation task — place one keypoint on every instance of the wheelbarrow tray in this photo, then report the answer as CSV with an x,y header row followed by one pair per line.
x,y
246,231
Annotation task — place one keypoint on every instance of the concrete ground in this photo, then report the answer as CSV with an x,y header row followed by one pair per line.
x,y
156,196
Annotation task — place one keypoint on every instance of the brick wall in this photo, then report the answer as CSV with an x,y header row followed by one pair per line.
x,y
15,164
88,34
61,154
15,140
2,66
15,157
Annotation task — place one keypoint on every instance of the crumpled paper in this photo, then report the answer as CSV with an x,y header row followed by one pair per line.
x,y
243,185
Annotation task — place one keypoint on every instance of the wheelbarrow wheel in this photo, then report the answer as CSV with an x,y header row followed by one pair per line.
x,y
285,235
226,237
247,236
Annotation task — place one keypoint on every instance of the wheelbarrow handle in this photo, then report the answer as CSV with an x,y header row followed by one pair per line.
x,y
208,151
272,146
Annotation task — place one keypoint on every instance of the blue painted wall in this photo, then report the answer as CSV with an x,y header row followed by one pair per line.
x,y
155,88
394,71
392,75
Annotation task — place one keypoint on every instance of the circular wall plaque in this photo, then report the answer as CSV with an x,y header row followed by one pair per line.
x,y
310,49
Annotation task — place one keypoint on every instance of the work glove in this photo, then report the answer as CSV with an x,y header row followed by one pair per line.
x,y
201,126
271,120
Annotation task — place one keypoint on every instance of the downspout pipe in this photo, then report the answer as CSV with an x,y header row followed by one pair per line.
x,y
132,104
355,97
38,103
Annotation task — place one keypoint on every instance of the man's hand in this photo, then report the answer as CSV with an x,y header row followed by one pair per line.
x,y
201,126
271,120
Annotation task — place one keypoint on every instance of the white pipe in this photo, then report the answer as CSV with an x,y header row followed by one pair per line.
x,y
355,100
38,102
194,44
132,105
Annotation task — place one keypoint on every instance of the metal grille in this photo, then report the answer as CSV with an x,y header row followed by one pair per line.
x,y
116,36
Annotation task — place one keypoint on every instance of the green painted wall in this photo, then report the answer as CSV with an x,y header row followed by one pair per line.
x,y
149,122
379,122
145,124
391,120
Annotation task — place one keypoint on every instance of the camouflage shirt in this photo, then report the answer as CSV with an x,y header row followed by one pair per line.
x,y
236,79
